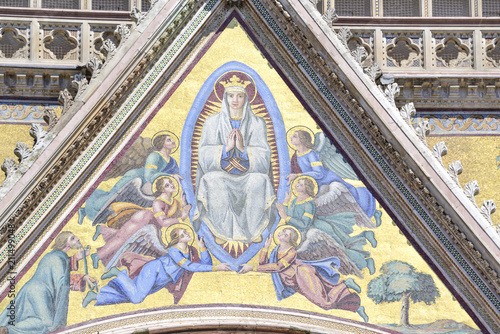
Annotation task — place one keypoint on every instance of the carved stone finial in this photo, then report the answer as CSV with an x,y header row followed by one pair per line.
x,y
136,15
123,32
22,151
26,156
454,169
108,49
80,82
330,16
373,71
440,150
422,129
359,54
50,117
65,99
344,35
94,65
391,91
408,111
471,189
9,167
487,209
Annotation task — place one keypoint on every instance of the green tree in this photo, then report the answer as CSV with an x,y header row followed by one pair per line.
x,y
401,281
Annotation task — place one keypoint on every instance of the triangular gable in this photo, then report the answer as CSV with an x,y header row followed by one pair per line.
x,y
357,130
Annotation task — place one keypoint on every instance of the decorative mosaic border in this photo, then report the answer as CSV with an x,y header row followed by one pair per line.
x,y
24,113
461,123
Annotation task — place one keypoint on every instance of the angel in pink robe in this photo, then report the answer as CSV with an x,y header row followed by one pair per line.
x,y
129,218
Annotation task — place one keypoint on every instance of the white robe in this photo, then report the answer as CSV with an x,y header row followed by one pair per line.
x,y
234,207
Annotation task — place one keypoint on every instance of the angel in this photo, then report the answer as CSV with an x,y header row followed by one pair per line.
x,y
172,271
335,195
145,161
121,230
326,236
318,281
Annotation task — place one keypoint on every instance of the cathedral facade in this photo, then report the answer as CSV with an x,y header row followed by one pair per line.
x,y
249,166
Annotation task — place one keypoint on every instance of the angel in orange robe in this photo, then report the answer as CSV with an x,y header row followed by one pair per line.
x,y
129,219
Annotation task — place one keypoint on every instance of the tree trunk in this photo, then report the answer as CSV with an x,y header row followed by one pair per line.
x,y
405,310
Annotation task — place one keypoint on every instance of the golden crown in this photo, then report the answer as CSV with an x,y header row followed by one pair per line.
x,y
235,82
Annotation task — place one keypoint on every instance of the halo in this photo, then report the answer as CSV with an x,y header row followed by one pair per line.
x,y
291,131
177,187
282,227
186,227
251,79
169,133
292,187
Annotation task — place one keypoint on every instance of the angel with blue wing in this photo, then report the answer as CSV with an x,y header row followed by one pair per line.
x,y
146,160
326,236
327,167
147,275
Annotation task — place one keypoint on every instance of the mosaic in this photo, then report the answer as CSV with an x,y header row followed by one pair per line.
x,y
26,113
462,123
231,194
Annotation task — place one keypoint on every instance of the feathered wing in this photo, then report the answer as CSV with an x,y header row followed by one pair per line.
x,y
338,199
332,158
146,241
135,157
319,245
129,193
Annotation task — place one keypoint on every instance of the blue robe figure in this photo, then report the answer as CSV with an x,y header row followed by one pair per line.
x,y
164,272
156,165
311,165
308,160
41,306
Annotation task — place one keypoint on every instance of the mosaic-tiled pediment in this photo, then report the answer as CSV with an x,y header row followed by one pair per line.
x,y
222,183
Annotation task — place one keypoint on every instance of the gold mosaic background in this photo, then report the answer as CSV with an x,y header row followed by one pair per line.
x,y
254,288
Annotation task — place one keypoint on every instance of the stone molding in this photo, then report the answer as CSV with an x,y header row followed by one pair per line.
x,y
225,317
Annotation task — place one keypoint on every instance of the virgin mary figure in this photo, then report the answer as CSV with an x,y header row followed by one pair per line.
x,y
234,193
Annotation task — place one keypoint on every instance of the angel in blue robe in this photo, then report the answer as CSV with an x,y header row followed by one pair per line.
x,y
326,236
172,271
335,194
135,185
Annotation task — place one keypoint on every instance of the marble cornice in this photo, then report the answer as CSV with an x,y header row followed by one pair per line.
x,y
420,22
67,14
